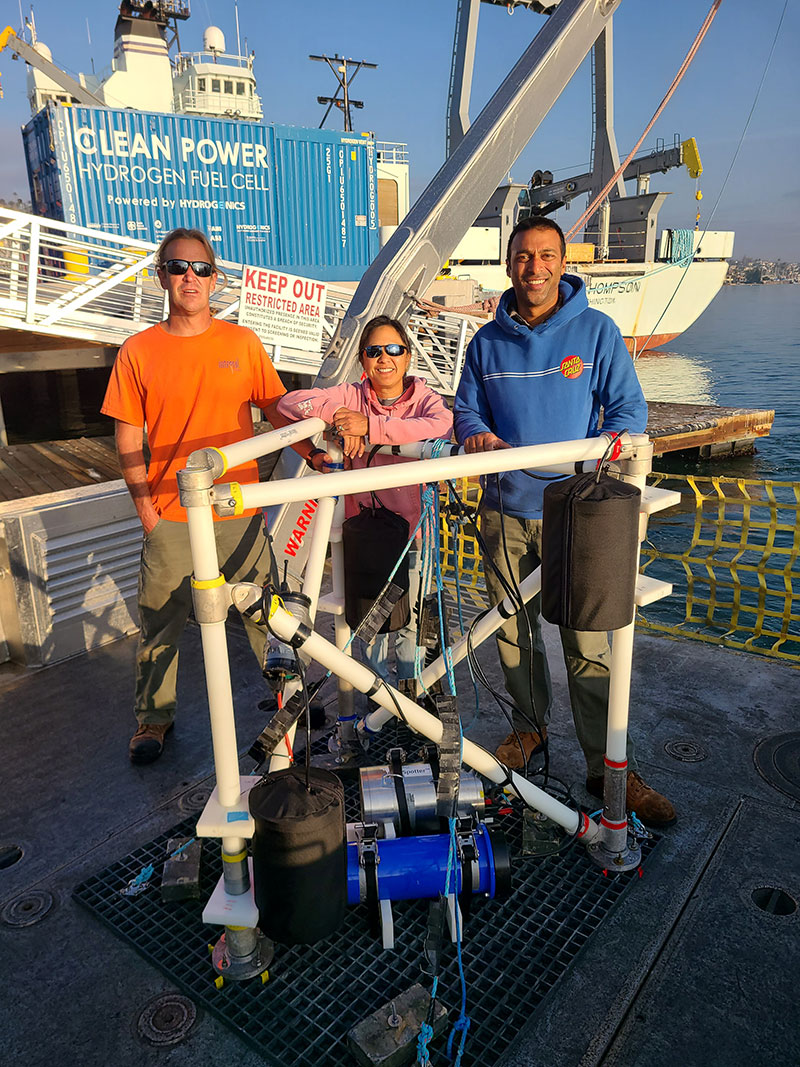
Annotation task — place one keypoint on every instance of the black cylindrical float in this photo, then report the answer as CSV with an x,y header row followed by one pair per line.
x,y
299,855
590,542
372,542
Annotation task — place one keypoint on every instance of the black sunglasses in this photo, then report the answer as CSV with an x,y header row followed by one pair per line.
x,y
180,266
373,351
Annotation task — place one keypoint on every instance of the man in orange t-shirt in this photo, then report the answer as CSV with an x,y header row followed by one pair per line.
x,y
190,380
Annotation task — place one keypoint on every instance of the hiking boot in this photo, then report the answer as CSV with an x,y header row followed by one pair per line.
x,y
651,807
508,751
147,743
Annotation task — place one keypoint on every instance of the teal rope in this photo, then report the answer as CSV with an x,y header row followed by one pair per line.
x,y
425,1035
681,245
429,551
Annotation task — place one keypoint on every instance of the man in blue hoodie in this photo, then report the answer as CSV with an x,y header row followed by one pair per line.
x,y
541,372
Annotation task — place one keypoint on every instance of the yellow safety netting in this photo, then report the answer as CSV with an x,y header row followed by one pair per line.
x,y
460,552
730,550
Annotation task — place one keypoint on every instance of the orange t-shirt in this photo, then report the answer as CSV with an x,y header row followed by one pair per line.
x,y
190,392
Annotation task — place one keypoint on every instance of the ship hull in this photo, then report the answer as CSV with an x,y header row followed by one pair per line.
x,y
652,303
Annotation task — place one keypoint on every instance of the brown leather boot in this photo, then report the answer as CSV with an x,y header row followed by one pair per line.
x,y
508,752
147,743
651,807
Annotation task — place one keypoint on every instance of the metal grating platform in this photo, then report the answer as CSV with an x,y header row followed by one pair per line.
x,y
514,952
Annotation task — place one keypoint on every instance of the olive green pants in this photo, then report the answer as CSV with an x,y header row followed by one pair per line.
x,y
165,599
586,654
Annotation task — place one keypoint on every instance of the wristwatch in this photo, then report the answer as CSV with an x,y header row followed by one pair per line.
x,y
310,457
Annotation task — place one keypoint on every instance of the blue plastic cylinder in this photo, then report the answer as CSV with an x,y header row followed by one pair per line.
x,y
413,868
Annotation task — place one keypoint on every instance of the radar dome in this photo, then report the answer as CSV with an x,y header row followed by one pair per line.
x,y
43,51
213,40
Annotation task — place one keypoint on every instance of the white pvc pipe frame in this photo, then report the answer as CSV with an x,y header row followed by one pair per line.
x,y
561,456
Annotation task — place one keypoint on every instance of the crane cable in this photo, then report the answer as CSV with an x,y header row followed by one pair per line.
x,y
471,309
730,169
598,200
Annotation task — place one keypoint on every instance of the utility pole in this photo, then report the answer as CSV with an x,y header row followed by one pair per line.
x,y
344,71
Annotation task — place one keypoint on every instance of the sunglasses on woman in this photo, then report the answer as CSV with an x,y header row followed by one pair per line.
x,y
180,266
373,351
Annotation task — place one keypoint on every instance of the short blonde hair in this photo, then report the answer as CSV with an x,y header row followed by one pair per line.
x,y
181,233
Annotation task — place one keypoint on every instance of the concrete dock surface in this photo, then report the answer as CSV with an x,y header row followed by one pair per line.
x,y
688,968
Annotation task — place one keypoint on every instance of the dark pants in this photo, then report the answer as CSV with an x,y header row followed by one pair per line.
x,y
586,653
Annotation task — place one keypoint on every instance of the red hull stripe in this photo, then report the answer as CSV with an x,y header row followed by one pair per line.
x,y
614,765
633,344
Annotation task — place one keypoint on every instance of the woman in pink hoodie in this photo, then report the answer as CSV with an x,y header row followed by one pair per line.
x,y
387,407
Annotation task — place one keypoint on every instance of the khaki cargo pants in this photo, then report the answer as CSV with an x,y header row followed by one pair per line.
x,y
165,599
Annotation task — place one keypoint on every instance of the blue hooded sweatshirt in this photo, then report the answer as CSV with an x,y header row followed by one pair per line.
x,y
536,386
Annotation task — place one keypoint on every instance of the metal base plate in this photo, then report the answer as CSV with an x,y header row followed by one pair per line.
x,y
239,970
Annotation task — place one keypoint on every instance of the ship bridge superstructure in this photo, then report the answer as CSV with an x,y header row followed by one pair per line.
x,y
143,74
214,82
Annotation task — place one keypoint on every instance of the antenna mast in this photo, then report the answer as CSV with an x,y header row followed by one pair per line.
x,y
344,75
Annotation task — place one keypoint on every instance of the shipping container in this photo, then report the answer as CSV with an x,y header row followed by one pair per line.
x,y
294,199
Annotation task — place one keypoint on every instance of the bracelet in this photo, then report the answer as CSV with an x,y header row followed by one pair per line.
x,y
310,457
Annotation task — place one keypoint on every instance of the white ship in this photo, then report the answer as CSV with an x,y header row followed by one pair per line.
x,y
654,286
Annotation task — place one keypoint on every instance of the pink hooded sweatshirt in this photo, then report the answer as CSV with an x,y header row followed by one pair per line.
x,y
419,414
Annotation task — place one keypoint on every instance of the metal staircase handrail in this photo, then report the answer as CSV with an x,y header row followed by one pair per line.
x,y
99,287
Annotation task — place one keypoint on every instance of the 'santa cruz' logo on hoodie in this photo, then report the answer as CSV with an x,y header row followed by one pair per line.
x,y
572,366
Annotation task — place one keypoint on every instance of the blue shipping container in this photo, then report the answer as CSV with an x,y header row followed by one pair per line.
x,y
299,200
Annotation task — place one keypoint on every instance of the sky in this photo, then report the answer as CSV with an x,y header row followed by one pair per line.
x,y
405,98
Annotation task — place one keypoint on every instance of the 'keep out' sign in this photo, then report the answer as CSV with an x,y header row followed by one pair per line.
x,y
282,309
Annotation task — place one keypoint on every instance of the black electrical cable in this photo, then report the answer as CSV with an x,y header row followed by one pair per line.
x,y
301,670
356,633
513,592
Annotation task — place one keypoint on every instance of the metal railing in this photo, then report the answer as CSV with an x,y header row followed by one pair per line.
x,y
391,151
225,105
68,281
223,61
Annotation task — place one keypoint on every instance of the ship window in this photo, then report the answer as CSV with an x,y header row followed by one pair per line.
x,y
229,88
215,85
201,85
240,88
251,88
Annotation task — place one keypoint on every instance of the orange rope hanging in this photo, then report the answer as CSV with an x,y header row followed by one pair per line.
x,y
598,200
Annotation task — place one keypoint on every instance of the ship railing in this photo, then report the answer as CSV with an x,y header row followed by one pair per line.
x,y
391,152
227,105
625,246
70,281
66,280
184,60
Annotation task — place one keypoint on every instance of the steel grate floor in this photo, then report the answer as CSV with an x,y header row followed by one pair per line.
x,y
513,952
